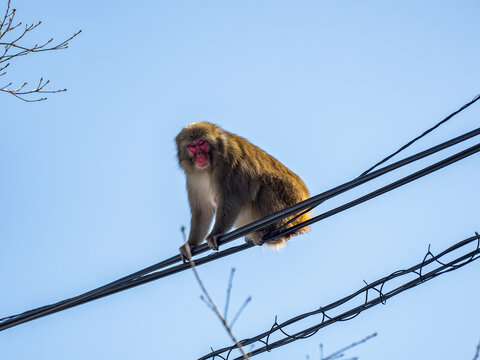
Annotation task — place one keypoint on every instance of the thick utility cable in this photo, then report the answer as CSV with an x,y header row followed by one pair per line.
x,y
256,225
263,222
138,280
252,227
378,287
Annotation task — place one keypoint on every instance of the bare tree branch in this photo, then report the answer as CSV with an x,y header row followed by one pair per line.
x,y
13,49
209,301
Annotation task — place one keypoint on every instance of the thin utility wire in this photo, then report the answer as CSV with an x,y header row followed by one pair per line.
x,y
475,99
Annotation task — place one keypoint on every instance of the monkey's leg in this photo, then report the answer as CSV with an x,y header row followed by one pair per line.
x,y
255,237
227,212
199,224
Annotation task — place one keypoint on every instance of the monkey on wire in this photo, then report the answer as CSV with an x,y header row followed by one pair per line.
x,y
230,178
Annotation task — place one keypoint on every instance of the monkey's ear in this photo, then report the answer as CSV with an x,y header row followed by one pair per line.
x,y
219,144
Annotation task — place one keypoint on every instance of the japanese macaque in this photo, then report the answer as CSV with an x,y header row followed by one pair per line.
x,y
230,178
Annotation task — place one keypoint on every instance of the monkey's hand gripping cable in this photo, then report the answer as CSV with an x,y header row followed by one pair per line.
x,y
174,264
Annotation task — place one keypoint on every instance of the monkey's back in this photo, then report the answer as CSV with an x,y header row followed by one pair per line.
x,y
278,186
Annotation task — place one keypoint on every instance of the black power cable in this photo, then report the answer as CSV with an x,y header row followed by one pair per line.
x,y
305,206
314,201
434,167
141,277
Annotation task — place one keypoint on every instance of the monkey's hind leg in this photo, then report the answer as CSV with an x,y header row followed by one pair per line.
x,y
212,242
287,223
256,238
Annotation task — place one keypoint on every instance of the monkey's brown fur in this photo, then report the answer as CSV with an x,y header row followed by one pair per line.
x,y
242,181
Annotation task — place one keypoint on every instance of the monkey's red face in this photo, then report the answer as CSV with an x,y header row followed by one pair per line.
x,y
199,150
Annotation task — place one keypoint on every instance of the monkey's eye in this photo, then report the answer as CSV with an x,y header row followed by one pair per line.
x,y
191,147
201,142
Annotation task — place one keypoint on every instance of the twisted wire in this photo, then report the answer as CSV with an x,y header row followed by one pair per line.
x,y
377,286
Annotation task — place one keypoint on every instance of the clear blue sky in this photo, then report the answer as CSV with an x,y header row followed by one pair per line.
x,y
90,189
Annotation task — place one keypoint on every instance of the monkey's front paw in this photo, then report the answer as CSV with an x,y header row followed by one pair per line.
x,y
185,252
212,242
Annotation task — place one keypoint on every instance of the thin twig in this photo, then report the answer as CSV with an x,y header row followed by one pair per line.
x,y
237,315
477,353
229,290
341,352
213,305
8,14
206,302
